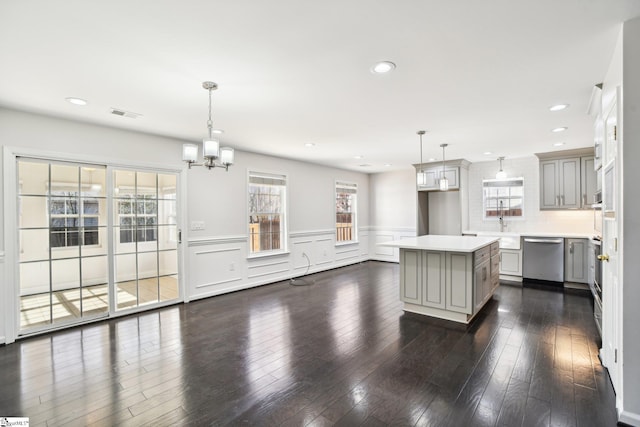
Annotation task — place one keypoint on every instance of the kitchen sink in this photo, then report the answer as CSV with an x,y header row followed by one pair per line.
x,y
507,240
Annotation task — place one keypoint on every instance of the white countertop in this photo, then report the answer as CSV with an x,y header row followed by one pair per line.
x,y
434,242
531,234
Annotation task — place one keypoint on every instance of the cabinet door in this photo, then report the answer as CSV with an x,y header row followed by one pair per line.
x,y
482,285
433,270
549,198
434,174
576,267
495,272
459,282
510,262
410,276
569,184
588,181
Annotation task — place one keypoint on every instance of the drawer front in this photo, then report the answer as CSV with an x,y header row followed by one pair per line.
x,y
495,266
481,255
495,248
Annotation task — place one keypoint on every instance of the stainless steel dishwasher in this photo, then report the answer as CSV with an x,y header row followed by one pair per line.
x,y
543,259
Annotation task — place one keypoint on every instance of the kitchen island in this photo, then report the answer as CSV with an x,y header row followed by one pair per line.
x,y
449,277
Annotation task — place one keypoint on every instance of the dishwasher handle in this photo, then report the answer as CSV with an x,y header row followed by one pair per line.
x,y
555,241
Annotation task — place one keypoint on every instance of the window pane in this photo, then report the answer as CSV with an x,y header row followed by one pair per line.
x,y
147,185
33,178
93,180
33,212
65,179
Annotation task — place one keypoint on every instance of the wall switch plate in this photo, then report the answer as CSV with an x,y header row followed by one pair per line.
x,y
197,225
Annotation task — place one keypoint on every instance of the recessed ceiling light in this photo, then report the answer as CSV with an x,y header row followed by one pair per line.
x,y
487,153
365,165
431,159
309,144
358,157
558,107
558,144
76,101
386,165
383,67
562,129
217,131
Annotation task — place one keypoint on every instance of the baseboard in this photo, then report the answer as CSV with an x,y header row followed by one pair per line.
x,y
630,418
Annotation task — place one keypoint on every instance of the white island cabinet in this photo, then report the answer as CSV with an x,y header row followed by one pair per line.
x,y
449,277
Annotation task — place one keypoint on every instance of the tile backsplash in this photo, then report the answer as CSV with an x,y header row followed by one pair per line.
x,y
570,221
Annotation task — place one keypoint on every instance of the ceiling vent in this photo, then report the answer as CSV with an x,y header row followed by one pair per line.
x,y
123,113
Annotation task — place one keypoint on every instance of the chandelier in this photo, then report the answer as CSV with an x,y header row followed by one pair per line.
x,y
211,150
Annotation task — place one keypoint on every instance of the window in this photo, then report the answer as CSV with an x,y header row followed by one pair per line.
x,y
267,207
73,218
503,198
137,219
346,209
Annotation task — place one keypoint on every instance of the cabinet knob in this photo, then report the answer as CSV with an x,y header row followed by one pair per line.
x,y
603,257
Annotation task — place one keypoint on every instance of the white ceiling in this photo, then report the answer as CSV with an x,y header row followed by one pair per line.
x,y
478,75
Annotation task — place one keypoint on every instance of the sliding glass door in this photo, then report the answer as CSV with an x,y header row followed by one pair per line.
x,y
62,222
145,238
75,253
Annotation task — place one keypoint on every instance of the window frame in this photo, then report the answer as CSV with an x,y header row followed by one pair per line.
x,y
81,229
510,197
354,212
284,214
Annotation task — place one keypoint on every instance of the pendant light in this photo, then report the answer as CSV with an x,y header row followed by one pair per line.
x,y
211,150
444,182
421,176
501,173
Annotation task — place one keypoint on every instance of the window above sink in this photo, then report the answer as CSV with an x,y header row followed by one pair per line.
x,y
503,198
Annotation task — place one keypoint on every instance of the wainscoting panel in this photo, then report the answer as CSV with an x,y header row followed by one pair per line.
x,y
381,235
218,265
211,265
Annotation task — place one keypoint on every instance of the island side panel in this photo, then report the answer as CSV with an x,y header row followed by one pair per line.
x,y
459,282
434,282
410,276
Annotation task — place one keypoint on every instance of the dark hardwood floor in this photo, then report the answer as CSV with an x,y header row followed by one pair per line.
x,y
338,352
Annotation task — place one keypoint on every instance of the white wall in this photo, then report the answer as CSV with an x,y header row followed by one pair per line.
x,y
631,221
217,256
393,211
570,221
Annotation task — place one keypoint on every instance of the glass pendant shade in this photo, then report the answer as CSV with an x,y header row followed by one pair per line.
x,y
501,173
210,148
226,156
444,184
189,152
421,178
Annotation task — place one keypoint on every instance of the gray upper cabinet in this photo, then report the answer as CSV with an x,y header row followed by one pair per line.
x,y
434,174
567,179
560,184
589,185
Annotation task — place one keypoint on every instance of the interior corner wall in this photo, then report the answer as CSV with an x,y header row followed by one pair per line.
x,y
631,221
393,211
216,257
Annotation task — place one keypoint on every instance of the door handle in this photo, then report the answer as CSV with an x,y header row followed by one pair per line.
x,y
179,236
571,247
603,257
